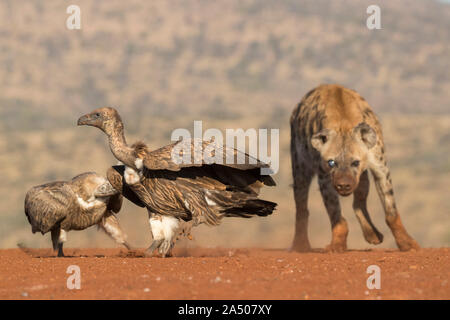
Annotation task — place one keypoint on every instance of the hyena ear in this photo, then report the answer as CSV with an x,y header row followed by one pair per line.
x,y
367,135
320,138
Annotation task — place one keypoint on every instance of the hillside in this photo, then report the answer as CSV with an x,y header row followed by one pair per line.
x,y
232,64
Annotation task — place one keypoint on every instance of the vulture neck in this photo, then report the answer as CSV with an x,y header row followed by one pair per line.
x,y
119,147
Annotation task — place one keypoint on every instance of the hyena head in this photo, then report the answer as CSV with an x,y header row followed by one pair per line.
x,y
344,155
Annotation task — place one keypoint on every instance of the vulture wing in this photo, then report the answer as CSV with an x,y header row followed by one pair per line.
x,y
115,203
196,153
115,177
196,180
204,194
47,205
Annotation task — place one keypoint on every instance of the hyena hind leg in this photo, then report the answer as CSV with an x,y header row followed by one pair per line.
x,y
370,232
302,182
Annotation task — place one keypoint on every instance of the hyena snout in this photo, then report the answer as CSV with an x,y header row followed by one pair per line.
x,y
343,187
344,184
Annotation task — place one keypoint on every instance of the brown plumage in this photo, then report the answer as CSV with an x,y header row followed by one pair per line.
x,y
84,201
202,191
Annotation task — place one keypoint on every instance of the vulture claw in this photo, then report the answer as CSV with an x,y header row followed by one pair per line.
x,y
155,245
60,250
127,245
165,247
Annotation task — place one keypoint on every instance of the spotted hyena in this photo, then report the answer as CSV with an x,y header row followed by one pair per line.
x,y
335,134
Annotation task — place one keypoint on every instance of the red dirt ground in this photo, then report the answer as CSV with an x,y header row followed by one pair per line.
x,y
225,274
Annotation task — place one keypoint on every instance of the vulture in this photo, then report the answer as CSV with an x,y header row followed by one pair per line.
x,y
177,192
84,201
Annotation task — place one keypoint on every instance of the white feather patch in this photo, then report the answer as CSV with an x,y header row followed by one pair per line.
x,y
91,203
164,227
139,163
208,200
131,176
62,236
156,228
170,225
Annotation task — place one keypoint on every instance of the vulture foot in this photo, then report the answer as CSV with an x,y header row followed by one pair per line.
x,y
127,245
165,248
155,245
163,229
60,250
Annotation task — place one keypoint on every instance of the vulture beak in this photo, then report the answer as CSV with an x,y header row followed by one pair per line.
x,y
85,120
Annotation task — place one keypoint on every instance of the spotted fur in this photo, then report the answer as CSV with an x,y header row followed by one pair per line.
x,y
336,135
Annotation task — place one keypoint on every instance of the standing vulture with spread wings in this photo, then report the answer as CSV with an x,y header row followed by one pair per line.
x,y
173,191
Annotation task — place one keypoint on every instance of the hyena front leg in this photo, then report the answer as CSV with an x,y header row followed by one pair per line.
x,y
338,224
385,190
371,234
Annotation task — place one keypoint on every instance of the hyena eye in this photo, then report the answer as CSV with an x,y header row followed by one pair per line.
x,y
355,163
332,163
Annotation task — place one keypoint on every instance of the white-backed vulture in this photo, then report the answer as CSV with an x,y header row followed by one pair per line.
x,y
84,201
197,192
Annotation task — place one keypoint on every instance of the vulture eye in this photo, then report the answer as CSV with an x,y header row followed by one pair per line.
x,y
355,163
332,163
97,115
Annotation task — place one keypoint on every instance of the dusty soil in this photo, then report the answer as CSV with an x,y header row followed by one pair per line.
x,y
224,274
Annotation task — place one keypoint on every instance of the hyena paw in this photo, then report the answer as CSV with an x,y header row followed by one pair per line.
x,y
301,246
373,236
408,244
336,247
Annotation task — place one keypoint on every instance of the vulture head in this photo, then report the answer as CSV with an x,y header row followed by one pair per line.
x,y
106,119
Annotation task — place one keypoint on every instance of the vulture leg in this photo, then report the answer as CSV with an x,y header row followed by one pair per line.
x,y
155,245
170,227
127,245
164,230
157,233
165,248
162,227
58,238
111,226
60,249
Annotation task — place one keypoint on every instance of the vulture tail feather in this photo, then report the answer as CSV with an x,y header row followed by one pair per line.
x,y
251,207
